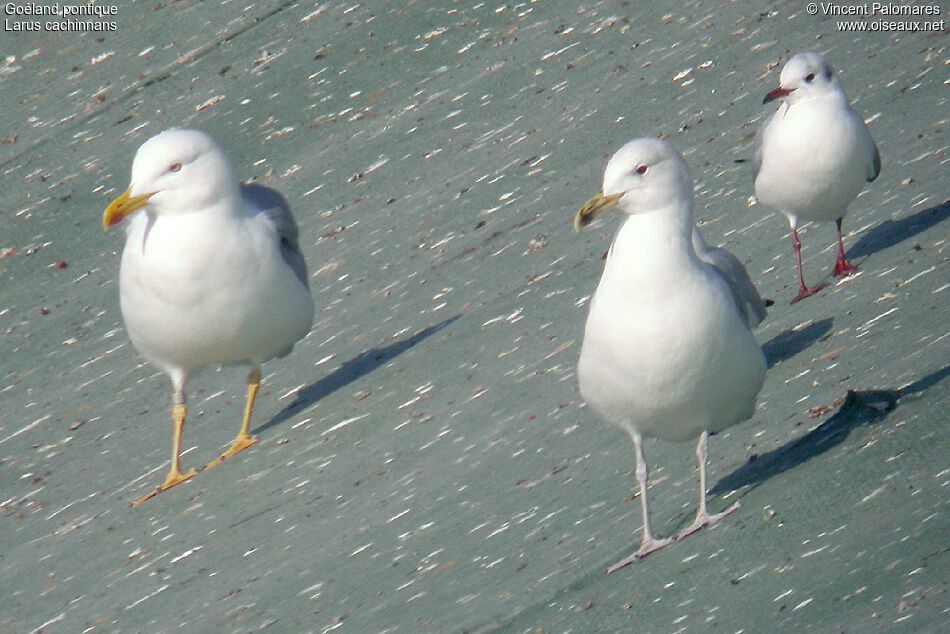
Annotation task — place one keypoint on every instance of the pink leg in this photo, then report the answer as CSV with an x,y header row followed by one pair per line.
x,y
842,267
703,518
803,291
649,543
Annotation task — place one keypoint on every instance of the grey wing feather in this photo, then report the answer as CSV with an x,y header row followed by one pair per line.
x,y
875,163
747,298
276,210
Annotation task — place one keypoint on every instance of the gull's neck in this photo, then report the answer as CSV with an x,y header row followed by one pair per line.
x,y
230,202
225,203
660,239
670,222
835,98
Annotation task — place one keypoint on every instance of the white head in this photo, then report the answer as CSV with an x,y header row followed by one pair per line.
x,y
174,172
644,175
805,75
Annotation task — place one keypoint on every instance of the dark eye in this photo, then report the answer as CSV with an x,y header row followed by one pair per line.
x,y
810,77
828,74
642,170
174,167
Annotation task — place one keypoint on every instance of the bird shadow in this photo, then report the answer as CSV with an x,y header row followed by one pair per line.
x,y
358,366
859,408
787,344
890,232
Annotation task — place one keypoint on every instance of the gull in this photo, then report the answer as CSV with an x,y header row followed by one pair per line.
x,y
667,349
813,155
211,273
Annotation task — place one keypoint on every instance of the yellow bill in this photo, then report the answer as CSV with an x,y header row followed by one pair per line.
x,y
597,205
122,207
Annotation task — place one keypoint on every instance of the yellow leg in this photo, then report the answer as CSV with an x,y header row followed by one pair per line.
x,y
243,439
175,476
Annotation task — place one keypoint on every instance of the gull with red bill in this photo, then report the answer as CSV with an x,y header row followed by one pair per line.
x,y
211,273
813,155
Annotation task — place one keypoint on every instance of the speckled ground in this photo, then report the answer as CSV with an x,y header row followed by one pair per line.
x,y
425,463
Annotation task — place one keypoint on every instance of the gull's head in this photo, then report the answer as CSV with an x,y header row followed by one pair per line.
x,y
643,176
805,75
174,172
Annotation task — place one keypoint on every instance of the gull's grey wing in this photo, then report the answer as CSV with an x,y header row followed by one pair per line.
x,y
747,298
875,163
277,212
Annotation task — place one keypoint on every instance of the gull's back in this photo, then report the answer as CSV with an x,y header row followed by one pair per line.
x,y
748,301
274,208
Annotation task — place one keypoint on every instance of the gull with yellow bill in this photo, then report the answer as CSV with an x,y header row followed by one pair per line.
x,y
668,351
211,272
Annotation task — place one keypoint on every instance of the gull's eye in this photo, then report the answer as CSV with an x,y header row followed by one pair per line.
x,y
642,170
810,77
827,73
174,167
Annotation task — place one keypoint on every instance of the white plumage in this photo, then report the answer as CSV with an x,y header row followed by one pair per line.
x,y
211,272
667,351
813,155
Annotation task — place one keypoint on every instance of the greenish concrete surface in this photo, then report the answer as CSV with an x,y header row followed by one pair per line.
x,y
425,463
